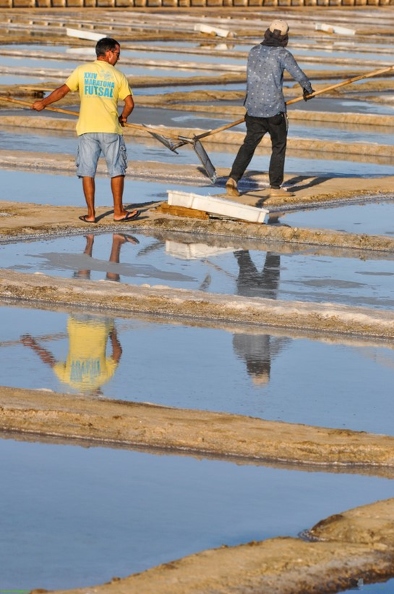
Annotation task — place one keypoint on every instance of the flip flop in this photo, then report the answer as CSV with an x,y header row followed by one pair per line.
x,y
129,238
85,220
128,217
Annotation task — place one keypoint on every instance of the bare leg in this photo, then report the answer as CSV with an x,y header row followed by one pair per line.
x,y
118,239
88,251
117,242
89,187
89,245
117,187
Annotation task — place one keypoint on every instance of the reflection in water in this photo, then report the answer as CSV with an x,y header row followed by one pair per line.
x,y
86,263
87,366
118,239
257,350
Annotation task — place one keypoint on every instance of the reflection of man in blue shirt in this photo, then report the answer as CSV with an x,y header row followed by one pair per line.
x,y
257,349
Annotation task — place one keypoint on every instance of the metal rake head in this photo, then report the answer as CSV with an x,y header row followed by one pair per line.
x,y
202,155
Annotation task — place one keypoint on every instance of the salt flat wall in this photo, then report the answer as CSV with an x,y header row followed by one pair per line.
x,y
185,3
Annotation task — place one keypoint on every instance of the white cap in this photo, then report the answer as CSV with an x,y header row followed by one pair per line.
x,y
280,26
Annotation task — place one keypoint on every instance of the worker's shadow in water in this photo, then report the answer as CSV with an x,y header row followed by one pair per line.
x,y
88,366
255,349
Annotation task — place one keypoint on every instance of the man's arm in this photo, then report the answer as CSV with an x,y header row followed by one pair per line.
x,y
127,109
292,68
45,355
116,346
56,95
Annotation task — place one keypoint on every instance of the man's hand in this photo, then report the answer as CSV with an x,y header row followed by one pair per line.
x,y
38,105
122,120
28,340
307,94
56,95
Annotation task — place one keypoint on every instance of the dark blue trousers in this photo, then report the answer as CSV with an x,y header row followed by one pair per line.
x,y
256,128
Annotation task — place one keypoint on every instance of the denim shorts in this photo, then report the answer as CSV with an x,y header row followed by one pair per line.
x,y
92,145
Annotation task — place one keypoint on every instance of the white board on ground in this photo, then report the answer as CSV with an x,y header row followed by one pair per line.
x,y
217,206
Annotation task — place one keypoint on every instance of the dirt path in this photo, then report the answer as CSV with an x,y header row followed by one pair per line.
x,y
192,432
182,304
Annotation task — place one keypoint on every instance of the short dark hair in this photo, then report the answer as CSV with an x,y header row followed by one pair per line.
x,y
105,45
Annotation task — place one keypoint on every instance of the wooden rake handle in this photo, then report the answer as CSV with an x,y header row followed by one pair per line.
x,y
348,81
144,127
297,99
225,126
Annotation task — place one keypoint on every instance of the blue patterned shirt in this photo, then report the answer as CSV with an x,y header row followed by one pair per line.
x,y
265,68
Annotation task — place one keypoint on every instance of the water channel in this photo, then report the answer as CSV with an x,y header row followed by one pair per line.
x,y
75,516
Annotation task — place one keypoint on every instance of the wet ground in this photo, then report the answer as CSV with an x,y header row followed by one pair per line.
x,y
96,513
92,513
136,258
256,373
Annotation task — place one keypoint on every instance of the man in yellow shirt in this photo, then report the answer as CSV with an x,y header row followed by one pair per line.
x,y
99,126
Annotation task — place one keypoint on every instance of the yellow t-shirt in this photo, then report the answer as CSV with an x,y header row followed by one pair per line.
x,y
87,366
100,86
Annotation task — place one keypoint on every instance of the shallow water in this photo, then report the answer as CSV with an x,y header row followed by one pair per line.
x,y
138,148
65,190
75,516
173,51
346,53
306,274
175,56
222,155
251,371
60,141
14,79
370,218
342,133
27,62
53,68
386,588
81,55
350,49
78,516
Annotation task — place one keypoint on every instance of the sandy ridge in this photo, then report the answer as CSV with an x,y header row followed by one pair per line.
x,y
184,304
190,431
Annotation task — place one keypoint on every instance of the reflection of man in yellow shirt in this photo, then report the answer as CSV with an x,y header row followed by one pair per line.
x,y
87,366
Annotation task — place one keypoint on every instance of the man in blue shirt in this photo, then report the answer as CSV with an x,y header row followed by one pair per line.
x,y
266,107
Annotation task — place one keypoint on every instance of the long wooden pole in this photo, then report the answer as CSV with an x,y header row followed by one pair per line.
x,y
76,114
325,90
225,126
343,83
